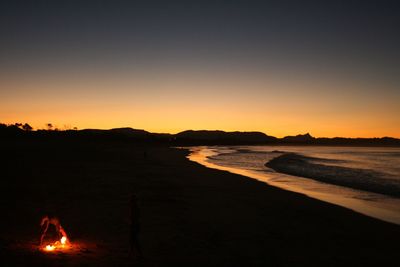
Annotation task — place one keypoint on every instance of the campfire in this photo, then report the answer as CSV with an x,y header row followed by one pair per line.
x,y
62,243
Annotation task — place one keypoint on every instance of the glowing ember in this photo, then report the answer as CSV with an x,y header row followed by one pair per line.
x,y
63,240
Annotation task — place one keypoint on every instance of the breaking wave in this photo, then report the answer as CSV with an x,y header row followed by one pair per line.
x,y
325,170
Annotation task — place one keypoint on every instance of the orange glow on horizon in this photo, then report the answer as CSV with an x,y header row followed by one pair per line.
x,y
339,131
165,105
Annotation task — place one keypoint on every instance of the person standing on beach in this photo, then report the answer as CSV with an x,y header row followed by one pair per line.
x,y
135,248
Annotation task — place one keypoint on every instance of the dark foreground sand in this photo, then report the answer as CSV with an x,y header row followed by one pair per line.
x,y
191,215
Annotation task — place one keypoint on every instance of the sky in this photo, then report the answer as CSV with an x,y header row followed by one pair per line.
x,y
330,68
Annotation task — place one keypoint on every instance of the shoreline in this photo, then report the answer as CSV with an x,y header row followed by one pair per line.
x,y
352,199
190,215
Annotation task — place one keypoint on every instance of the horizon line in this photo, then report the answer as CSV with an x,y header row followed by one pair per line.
x,y
209,130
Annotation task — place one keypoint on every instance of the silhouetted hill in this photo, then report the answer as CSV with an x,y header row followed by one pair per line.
x,y
301,138
117,133
130,132
190,137
221,137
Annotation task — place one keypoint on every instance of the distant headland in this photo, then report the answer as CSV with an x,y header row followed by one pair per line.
x,y
190,137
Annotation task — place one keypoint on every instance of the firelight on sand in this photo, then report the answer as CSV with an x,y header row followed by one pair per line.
x,y
62,244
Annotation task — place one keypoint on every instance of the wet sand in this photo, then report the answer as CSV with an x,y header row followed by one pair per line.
x,y
190,215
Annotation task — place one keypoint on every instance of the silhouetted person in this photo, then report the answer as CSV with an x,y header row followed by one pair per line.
x,y
46,221
135,248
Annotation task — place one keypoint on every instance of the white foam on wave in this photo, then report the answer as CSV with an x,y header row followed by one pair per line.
x,y
317,169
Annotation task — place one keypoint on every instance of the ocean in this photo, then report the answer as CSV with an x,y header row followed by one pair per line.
x,y
364,179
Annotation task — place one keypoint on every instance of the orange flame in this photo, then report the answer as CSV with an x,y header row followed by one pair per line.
x,y
50,247
62,244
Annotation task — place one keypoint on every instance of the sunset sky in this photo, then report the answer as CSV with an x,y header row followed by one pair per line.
x,y
330,68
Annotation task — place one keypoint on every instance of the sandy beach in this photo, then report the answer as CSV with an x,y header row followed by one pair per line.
x,y
190,215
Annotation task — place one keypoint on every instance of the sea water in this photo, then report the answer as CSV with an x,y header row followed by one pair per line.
x,y
376,167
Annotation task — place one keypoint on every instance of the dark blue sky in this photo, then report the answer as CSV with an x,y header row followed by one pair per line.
x,y
328,32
